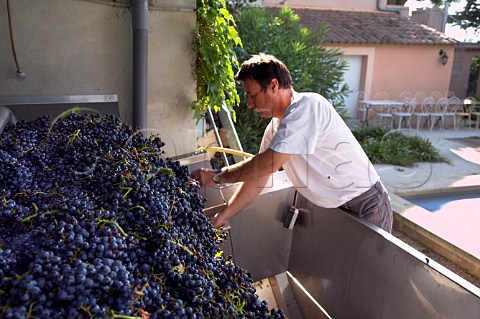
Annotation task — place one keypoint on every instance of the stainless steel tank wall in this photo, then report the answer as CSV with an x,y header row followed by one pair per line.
x,y
351,269
260,243
355,270
29,108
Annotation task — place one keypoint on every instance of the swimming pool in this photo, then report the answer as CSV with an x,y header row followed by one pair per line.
x,y
445,221
436,203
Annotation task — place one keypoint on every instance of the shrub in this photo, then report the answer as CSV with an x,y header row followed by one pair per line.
x,y
385,146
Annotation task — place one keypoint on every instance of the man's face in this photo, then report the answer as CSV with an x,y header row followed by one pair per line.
x,y
262,102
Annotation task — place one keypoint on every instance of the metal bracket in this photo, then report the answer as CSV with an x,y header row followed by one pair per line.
x,y
291,217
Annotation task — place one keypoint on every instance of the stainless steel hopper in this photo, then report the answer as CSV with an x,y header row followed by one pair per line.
x,y
333,265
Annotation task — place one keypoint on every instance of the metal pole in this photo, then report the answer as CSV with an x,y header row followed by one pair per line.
x,y
445,15
140,62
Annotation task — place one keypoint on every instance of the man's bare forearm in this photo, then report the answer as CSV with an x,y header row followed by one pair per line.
x,y
244,195
255,168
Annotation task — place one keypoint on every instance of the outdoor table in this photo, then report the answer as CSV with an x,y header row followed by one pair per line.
x,y
369,103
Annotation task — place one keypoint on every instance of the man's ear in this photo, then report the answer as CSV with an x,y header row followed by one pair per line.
x,y
274,85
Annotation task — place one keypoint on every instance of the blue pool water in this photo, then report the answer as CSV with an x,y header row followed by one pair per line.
x,y
434,203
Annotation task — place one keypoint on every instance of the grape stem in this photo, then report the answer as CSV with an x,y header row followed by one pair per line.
x,y
113,315
30,310
73,136
111,222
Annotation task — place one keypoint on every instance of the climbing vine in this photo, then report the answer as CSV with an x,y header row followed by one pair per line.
x,y
216,39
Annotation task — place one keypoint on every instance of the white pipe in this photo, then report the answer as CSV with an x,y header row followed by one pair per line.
x,y
224,150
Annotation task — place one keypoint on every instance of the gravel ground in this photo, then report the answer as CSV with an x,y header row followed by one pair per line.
x,y
439,259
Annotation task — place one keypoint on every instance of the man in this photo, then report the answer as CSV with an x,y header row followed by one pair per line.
x,y
312,143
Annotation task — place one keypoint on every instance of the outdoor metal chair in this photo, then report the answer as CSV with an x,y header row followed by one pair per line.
x,y
474,112
424,112
452,109
465,112
438,112
477,119
420,96
437,95
404,113
384,112
361,109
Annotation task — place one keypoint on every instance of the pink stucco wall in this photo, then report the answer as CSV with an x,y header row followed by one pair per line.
x,y
351,5
404,69
328,4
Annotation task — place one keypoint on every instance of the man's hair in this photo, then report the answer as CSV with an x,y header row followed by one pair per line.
x,y
263,68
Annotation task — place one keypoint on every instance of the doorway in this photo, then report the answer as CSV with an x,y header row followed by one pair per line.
x,y
473,87
352,78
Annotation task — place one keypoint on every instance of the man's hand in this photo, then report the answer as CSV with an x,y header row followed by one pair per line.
x,y
218,220
204,176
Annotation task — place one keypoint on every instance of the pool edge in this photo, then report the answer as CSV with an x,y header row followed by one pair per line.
x,y
418,232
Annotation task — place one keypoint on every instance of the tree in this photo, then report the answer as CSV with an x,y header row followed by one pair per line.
x,y
472,79
396,2
313,68
469,17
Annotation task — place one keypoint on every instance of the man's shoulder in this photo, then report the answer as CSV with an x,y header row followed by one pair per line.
x,y
312,103
311,97
308,95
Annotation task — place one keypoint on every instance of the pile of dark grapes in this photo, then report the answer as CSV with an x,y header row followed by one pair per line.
x,y
96,223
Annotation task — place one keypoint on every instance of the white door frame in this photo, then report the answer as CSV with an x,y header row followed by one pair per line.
x,y
369,54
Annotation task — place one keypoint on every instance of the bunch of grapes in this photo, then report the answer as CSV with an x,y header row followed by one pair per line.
x,y
96,223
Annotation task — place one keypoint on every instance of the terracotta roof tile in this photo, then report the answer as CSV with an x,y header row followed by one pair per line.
x,y
370,27
473,46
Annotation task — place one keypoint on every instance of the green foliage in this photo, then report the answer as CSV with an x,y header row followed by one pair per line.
x,y
313,68
235,6
436,2
216,39
384,146
250,132
470,16
396,2
474,69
